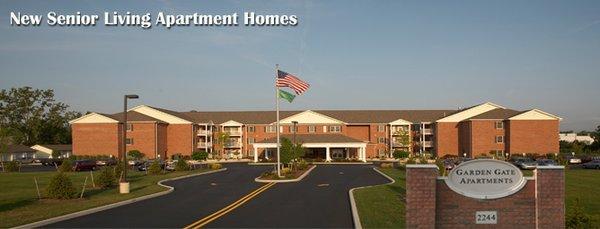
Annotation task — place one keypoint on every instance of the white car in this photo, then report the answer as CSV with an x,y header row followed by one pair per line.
x,y
575,161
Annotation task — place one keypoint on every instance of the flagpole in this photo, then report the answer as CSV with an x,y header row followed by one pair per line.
x,y
277,125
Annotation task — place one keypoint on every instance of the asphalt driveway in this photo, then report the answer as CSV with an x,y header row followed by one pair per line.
x,y
192,199
319,200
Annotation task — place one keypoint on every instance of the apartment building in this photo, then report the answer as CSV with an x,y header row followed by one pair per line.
x,y
327,134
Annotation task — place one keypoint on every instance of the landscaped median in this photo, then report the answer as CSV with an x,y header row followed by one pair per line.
x,y
19,203
383,206
288,175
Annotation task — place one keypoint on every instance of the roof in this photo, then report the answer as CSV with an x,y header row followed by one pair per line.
x,y
59,147
18,149
315,138
348,116
498,113
132,116
180,115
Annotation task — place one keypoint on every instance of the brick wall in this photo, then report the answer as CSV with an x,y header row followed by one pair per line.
x,y
532,136
446,138
420,196
96,139
550,195
483,137
179,139
144,138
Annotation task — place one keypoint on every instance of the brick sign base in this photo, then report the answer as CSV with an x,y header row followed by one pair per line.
x,y
431,204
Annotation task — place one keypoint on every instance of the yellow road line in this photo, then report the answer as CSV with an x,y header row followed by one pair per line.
x,y
229,208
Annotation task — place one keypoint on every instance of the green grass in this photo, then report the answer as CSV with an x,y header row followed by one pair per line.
x,y
383,206
19,202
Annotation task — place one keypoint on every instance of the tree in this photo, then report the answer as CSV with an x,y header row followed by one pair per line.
x,y
223,138
135,154
290,151
33,116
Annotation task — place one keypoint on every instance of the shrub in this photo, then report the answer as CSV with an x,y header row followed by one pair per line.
x,y
119,169
386,165
106,179
302,165
577,218
286,171
182,165
400,154
66,166
411,161
200,155
61,187
441,167
135,154
11,166
423,160
155,168
215,166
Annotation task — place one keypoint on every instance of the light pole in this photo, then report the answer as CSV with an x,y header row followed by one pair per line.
x,y
295,123
123,184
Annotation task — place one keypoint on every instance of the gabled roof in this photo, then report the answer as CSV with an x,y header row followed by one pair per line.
x,y
498,113
94,118
315,138
535,114
59,147
311,117
168,116
134,116
470,112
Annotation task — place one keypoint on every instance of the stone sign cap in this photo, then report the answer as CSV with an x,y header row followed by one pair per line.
x,y
485,179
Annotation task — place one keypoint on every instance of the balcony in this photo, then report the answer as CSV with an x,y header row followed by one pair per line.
x,y
233,145
399,144
425,143
233,132
204,132
426,131
204,144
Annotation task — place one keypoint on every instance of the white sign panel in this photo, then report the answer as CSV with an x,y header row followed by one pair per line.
x,y
485,179
486,217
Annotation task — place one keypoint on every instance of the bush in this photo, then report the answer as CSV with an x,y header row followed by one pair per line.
x,y
302,165
386,165
106,179
11,166
200,155
286,171
61,187
423,160
400,154
66,166
182,165
215,166
119,169
155,168
135,154
411,161
577,218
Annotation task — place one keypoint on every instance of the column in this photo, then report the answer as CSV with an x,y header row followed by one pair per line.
x,y
255,154
550,196
267,153
327,154
363,154
421,195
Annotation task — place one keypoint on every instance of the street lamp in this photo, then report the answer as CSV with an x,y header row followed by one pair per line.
x,y
123,184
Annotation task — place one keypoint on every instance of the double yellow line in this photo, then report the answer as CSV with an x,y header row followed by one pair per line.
x,y
231,207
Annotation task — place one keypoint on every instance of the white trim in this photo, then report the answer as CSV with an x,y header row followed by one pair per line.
x,y
471,112
160,115
232,123
420,166
535,114
295,117
550,167
100,119
400,122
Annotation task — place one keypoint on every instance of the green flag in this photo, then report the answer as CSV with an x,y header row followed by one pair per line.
x,y
286,95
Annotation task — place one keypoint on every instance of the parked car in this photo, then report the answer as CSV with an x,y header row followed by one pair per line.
x,y
83,165
51,161
523,162
546,162
106,162
574,160
144,166
593,164
135,162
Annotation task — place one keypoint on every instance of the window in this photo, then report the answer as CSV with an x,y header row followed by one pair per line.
x,y
251,128
312,129
270,129
381,140
499,125
129,127
335,129
129,141
250,140
499,139
381,128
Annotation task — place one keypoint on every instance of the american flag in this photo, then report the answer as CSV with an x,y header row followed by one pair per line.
x,y
285,79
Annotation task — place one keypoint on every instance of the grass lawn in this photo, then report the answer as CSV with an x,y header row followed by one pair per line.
x,y
383,206
19,203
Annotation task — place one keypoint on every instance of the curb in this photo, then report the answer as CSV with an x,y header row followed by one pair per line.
x,y
342,163
355,216
114,205
286,181
262,163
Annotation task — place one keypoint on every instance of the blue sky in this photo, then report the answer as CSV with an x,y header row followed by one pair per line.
x,y
355,54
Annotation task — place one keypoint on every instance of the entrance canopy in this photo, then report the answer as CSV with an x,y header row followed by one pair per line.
x,y
326,141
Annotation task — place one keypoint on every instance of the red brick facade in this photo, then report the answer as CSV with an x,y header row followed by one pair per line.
x,y
431,204
446,138
532,136
96,139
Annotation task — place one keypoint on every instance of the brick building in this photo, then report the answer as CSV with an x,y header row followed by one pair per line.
x,y
328,134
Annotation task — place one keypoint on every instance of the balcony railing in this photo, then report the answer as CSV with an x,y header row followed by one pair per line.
x,y
425,143
426,131
204,132
233,132
204,144
233,144
399,144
